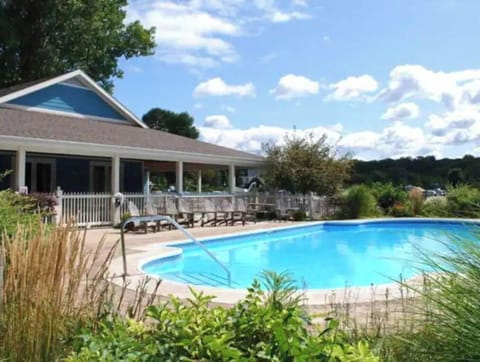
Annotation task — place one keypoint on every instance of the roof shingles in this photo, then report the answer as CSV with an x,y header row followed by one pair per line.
x,y
31,124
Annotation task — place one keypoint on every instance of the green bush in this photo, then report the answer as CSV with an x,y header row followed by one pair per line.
x,y
402,209
358,202
388,195
15,210
447,314
299,215
435,207
463,201
270,324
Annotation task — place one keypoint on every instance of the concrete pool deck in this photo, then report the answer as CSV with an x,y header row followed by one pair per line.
x,y
143,247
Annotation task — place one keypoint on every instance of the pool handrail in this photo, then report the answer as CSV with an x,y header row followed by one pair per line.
x,y
146,219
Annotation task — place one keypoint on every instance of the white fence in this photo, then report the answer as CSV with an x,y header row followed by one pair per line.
x,y
96,209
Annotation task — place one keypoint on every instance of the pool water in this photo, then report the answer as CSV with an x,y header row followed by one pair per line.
x,y
318,256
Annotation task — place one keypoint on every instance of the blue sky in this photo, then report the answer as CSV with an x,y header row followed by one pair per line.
x,y
380,78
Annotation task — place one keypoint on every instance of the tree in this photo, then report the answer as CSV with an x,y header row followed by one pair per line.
x,y
455,176
168,121
303,165
45,38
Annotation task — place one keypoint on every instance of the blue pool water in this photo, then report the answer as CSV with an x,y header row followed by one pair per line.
x,y
318,256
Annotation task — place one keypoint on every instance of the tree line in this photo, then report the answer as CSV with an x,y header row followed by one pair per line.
x,y
427,171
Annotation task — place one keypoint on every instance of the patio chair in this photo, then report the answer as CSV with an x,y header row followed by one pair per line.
x,y
242,214
172,211
210,213
281,211
137,225
227,213
185,208
151,210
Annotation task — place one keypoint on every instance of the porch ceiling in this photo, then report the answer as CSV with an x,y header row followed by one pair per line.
x,y
50,133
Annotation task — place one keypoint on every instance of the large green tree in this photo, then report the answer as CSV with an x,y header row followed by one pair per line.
x,y
44,38
168,121
305,164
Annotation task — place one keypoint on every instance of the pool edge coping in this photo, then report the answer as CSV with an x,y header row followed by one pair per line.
x,y
230,296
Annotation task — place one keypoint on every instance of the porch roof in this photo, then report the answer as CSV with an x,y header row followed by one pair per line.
x,y
50,133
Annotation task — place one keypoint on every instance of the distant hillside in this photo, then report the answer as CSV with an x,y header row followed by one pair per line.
x,y
422,171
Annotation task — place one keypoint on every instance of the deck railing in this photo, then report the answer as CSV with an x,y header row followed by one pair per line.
x,y
96,209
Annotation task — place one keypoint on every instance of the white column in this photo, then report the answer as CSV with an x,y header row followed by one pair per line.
x,y
115,188
179,176
20,165
231,178
199,181
146,185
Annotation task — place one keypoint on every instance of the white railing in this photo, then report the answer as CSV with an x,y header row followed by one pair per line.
x,y
85,208
95,209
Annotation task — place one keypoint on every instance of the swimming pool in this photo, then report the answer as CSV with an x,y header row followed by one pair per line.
x,y
318,255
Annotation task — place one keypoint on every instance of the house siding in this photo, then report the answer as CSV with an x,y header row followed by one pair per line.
x,y
64,98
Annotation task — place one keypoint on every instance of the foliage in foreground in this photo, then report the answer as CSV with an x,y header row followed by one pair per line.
x,y
268,325
446,317
52,284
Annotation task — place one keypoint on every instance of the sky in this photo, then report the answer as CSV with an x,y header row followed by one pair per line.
x,y
380,78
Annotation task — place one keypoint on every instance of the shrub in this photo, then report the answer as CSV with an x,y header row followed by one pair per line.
x,y
299,215
270,324
448,314
15,210
463,201
358,202
416,198
435,206
52,284
402,209
388,195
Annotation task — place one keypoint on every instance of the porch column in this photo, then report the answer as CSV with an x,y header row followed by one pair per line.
x,y
199,181
20,165
179,176
115,187
231,178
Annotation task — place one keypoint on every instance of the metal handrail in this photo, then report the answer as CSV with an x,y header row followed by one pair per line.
x,y
145,219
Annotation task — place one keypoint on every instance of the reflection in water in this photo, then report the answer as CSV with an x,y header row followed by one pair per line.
x,y
316,256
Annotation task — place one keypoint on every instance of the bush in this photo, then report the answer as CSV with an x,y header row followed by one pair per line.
x,y
402,209
358,202
435,206
299,215
448,313
388,196
463,201
416,198
270,324
52,284
15,210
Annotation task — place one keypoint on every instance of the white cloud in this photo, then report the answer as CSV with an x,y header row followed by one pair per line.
x,y
251,140
352,88
199,33
402,111
218,122
294,86
218,87
229,109
415,81
283,17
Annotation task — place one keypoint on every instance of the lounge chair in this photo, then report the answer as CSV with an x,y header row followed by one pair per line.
x,y
281,211
136,225
242,214
227,213
213,214
172,211
186,210
151,210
